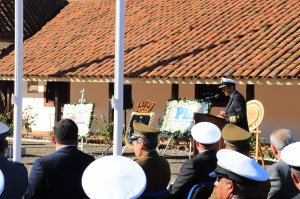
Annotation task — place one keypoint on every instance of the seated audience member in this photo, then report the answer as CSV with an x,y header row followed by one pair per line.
x,y
156,168
15,174
196,170
282,185
238,176
59,174
236,138
125,179
290,155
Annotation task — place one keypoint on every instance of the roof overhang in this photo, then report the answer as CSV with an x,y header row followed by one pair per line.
x,y
278,82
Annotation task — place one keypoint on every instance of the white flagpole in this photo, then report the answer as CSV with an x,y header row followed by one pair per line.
x,y
18,84
119,76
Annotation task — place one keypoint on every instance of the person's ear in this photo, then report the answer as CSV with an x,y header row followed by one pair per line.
x,y
53,139
274,150
230,186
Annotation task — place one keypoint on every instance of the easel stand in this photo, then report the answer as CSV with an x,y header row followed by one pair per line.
x,y
258,147
190,146
170,139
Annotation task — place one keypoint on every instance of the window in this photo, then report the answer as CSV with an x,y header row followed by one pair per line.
x,y
32,87
61,90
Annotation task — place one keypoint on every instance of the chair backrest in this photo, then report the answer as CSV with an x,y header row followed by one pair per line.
x,y
201,190
155,195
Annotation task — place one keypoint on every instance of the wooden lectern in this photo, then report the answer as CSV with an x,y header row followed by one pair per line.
x,y
220,122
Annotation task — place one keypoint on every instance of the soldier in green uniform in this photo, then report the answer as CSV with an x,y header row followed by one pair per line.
x,y
156,168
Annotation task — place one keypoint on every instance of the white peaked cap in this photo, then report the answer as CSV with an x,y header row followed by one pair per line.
x,y
113,177
2,182
232,162
227,81
206,133
289,154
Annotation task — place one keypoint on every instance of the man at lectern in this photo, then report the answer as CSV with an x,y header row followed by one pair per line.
x,y
236,112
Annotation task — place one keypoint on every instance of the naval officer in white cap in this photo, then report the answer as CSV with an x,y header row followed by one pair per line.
x,y
236,112
15,174
196,170
290,155
113,177
238,176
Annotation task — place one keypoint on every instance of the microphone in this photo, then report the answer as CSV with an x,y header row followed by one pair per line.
x,y
212,98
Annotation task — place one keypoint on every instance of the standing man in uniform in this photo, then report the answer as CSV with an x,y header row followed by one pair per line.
x,y
156,168
15,174
236,112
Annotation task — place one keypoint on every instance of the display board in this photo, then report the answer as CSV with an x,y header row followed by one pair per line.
x,y
81,114
179,116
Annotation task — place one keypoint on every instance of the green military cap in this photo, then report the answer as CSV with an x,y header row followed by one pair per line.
x,y
234,135
143,130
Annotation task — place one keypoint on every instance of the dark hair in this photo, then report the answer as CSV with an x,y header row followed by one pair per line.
x,y
150,142
66,132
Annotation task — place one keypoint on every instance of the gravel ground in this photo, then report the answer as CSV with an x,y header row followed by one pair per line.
x,y
37,148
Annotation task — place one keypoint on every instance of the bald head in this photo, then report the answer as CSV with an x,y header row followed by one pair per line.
x,y
280,138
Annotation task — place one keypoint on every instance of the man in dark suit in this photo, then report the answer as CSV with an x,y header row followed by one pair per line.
x,y
282,185
156,168
15,174
196,170
236,111
59,174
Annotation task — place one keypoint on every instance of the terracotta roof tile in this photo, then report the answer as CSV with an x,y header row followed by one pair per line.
x,y
36,14
168,39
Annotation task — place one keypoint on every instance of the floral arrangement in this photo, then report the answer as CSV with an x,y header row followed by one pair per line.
x,y
179,117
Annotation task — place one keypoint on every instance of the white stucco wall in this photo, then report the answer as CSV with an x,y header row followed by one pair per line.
x,y
280,103
93,92
44,119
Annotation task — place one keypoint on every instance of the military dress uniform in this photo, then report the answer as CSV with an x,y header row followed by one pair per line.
x,y
242,170
156,167
16,179
15,174
236,111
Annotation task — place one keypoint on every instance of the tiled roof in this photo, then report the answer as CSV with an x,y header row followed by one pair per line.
x,y
36,14
173,39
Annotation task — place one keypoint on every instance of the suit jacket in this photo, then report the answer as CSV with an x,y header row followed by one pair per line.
x,y
193,171
282,185
236,106
157,170
16,179
58,175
